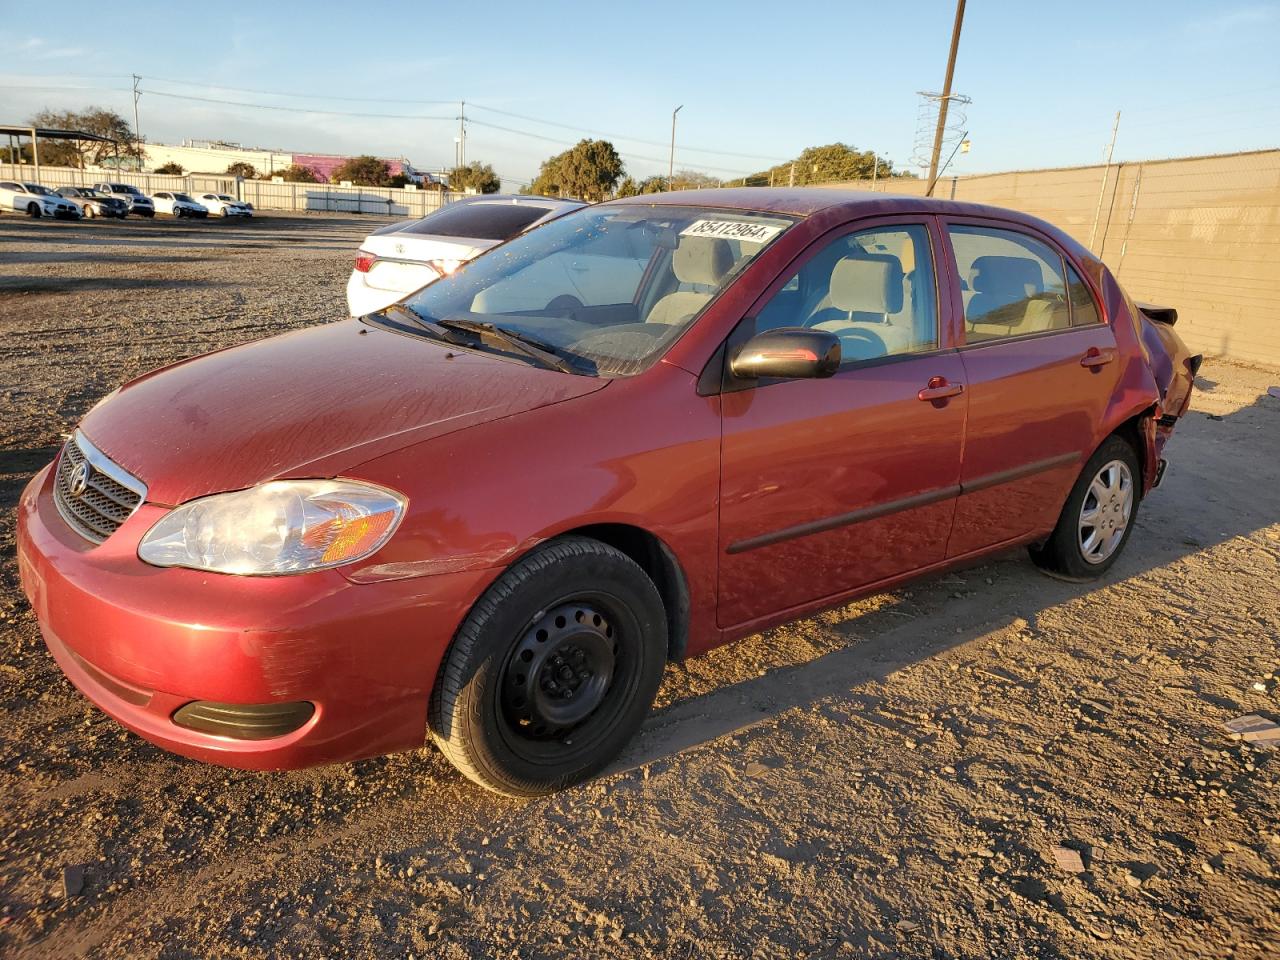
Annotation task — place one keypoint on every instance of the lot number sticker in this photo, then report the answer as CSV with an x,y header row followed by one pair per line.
x,y
731,230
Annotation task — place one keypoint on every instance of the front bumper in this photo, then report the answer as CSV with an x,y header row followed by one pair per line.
x,y
62,213
142,642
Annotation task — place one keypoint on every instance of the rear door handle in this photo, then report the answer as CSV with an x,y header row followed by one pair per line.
x,y
1096,358
940,389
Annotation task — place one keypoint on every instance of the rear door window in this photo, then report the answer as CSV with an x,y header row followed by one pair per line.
x,y
1013,284
1084,310
478,221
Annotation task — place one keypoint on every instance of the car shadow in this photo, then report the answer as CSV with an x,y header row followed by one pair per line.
x,y
1172,523
40,285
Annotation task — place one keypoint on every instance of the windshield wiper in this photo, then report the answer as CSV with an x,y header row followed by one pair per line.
x,y
545,353
417,319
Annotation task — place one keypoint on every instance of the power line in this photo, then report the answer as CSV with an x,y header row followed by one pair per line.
x,y
620,136
304,96
625,154
268,106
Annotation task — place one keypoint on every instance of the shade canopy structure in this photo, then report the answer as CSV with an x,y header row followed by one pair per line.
x,y
16,132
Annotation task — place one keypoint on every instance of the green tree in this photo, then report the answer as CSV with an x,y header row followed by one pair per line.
x,y
833,162
628,188
175,169
475,176
653,185
590,169
692,180
75,153
241,169
293,174
365,171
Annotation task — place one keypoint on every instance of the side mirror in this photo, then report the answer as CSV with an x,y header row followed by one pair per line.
x,y
788,352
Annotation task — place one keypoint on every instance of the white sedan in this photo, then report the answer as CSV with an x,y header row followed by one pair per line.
x,y
401,258
36,201
178,204
224,205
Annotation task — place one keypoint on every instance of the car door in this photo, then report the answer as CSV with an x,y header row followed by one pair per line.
x,y
1039,368
832,484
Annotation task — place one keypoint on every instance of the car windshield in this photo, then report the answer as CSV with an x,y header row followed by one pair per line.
x,y
606,288
184,197
223,196
36,188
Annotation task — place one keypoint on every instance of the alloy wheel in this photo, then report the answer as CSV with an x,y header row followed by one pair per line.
x,y
1105,512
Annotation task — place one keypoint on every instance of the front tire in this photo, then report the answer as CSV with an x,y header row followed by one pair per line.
x,y
33,211
1098,516
553,671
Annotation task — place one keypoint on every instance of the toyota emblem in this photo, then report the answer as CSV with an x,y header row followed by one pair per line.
x,y
79,482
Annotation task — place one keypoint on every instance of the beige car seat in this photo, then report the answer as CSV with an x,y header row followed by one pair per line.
x,y
1009,299
866,291
697,261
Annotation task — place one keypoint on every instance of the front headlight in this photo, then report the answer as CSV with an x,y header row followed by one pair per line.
x,y
285,526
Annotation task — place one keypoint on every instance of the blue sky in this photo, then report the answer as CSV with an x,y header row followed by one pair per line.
x,y
758,81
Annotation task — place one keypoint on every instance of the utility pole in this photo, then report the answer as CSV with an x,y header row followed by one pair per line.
x,y
875,168
137,135
462,134
1106,172
671,164
793,174
946,99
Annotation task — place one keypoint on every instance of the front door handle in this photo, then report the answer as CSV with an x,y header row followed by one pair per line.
x,y
1095,358
940,388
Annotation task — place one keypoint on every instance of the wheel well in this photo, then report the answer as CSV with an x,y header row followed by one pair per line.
x,y
655,559
1131,432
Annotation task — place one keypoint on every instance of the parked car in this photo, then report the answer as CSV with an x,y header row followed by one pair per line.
x,y
138,201
403,257
36,201
93,203
178,204
224,205
495,511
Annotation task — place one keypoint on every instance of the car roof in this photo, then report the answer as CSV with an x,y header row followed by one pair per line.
x,y
532,199
807,201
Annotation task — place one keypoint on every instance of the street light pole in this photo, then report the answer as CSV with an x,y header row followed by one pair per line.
x,y
671,165
946,99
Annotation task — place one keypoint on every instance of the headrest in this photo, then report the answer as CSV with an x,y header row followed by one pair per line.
x,y
861,285
1016,276
908,255
702,260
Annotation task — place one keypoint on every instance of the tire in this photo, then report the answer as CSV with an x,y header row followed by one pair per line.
x,y
581,626
1108,491
89,212
33,211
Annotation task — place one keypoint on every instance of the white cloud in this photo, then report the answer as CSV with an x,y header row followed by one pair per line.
x,y
1234,19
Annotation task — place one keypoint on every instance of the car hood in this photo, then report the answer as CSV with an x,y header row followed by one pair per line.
x,y
313,403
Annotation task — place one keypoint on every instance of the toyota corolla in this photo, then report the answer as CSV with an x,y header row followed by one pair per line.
x,y
488,516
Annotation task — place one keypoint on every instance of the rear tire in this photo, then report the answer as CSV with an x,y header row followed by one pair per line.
x,y
33,211
1098,516
553,671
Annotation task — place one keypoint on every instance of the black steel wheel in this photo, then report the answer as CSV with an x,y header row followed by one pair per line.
x,y
553,670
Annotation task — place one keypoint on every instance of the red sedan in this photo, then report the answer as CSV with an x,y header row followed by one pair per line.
x,y
490,515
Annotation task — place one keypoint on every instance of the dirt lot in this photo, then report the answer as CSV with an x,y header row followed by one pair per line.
x,y
884,780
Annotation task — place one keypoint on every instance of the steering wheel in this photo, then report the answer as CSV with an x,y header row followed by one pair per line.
x,y
564,304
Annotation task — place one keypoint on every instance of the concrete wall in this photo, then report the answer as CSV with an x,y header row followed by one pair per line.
x,y
213,159
1201,234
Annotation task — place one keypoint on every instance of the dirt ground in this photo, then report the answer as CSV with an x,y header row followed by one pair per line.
x,y
884,780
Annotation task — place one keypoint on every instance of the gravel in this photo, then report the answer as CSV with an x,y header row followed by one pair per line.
x,y
886,779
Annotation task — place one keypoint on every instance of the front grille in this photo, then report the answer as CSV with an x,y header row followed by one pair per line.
x,y
94,495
